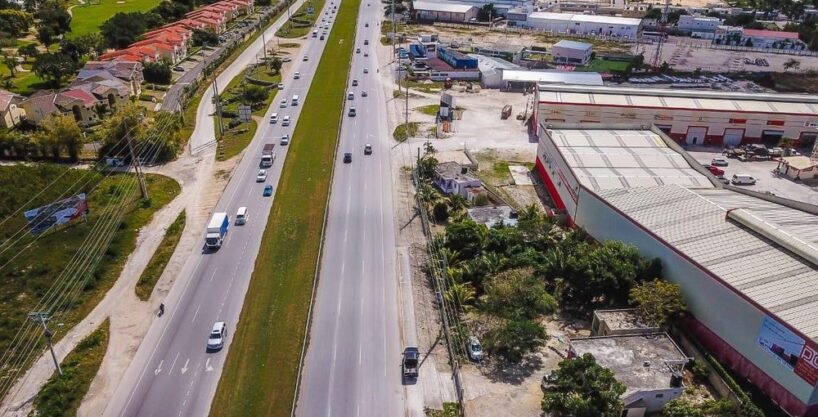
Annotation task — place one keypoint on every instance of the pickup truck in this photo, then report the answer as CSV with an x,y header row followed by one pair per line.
x,y
411,359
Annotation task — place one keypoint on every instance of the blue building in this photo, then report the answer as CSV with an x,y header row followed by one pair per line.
x,y
456,59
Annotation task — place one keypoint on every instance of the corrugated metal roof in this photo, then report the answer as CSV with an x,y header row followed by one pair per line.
x,y
441,7
553,77
584,18
695,223
610,159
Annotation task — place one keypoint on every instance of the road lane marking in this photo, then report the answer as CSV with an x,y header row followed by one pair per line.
x,y
173,364
208,368
196,313
214,273
158,369
185,368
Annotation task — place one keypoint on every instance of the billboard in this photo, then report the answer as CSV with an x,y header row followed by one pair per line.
x,y
791,350
61,212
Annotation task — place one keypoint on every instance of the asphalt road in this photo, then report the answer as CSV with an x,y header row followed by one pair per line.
x,y
352,365
172,374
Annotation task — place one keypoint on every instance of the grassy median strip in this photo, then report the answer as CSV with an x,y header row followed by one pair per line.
x,y
62,395
160,258
262,366
301,23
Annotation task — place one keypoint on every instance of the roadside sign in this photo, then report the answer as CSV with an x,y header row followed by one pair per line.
x,y
245,113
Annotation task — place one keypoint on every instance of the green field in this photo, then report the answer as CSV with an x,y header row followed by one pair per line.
x,y
262,366
61,396
88,18
27,278
601,65
160,258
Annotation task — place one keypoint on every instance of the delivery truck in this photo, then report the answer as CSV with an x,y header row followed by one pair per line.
x,y
267,155
217,230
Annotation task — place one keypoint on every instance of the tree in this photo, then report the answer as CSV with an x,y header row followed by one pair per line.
x,y
275,64
708,408
518,293
440,211
123,29
255,94
54,14
486,13
426,167
91,43
10,61
64,132
583,388
681,408
466,237
28,50
126,121
792,63
45,35
204,37
15,22
515,338
54,67
658,302
157,72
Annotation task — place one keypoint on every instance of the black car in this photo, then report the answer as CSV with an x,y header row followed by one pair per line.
x,y
347,158
368,149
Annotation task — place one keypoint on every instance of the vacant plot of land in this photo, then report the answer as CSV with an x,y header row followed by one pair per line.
x,y
274,316
89,17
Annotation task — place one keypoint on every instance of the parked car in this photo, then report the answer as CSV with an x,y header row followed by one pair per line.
x,y
366,41
357,50
268,190
280,86
475,349
719,162
715,170
218,333
548,381
743,179
261,176
723,179
347,158
322,37
178,68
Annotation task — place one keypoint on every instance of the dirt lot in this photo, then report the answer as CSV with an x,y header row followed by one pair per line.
x,y
762,170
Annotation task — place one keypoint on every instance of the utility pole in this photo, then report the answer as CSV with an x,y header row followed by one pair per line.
x,y
394,29
264,45
218,107
137,168
41,318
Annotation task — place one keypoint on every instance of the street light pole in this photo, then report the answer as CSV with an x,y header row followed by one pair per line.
x,y
41,318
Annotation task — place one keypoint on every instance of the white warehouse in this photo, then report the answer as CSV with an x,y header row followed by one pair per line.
x,y
581,24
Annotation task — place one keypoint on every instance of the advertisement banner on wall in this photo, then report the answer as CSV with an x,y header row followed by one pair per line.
x,y
790,349
61,212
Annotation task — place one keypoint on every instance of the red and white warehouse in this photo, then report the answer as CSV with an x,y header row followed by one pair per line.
x,y
692,117
747,263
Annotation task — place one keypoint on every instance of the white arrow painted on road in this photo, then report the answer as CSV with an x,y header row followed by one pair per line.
x,y
208,368
184,368
158,369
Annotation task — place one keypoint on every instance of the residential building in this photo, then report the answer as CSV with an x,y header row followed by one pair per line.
x,y
756,38
582,24
10,110
571,52
453,178
798,168
79,103
444,12
698,26
715,118
746,263
128,71
649,366
40,105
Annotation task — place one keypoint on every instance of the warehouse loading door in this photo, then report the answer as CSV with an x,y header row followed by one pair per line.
x,y
695,135
771,138
732,137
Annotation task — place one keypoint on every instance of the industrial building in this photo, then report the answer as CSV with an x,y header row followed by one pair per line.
x,y
519,80
571,52
444,12
582,24
703,27
747,263
757,38
692,117
492,69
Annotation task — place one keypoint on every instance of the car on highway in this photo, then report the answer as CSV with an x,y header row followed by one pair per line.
x,y
268,190
283,103
261,176
475,349
297,75
285,121
719,162
322,37
179,68
357,50
351,112
366,70
242,216
366,41
411,360
218,333
355,82
366,53
306,58
285,140
363,94
366,25
347,158
367,149
274,118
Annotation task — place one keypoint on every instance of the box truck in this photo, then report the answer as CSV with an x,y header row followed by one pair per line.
x,y
267,155
216,230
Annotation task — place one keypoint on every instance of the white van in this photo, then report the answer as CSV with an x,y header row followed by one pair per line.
x,y
295,100
743,179
242,216
351,95
315,33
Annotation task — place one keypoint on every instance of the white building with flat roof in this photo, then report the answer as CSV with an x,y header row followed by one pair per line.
x,y
582,24
444,12
571,52
747,263
698,26
692,117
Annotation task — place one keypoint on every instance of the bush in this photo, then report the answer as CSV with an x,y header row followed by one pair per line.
x,y
441,211
157,72
233,123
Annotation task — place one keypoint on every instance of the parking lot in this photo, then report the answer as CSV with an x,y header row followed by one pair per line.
x,y
763,172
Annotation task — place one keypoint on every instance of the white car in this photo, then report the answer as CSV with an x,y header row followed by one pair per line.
x,y
274,118
283,103
366,70
285,140
306,58
475,349
280,86
261,176
285,121
218,333
297,75
719,162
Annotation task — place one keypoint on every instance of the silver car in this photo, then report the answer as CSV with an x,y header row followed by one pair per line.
x,y
475,349
217,335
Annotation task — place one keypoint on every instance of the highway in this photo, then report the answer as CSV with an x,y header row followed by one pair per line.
x,y
172,374
352,364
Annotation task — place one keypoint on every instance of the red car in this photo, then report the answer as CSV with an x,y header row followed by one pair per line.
x,y
715,170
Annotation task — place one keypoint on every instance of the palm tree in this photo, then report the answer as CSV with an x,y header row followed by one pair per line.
x,y
461,294
452,257
491,263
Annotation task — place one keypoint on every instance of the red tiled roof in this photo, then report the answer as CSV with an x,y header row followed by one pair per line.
x,y
85,97
770,34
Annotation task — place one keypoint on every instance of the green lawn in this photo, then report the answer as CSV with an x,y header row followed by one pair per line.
x,y
301,23
430,110
260,374
27,278
61,396
426,87
23,82
160,258
234,140
601,65
404,131
88,18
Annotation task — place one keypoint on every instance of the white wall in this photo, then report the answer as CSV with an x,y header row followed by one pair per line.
x,y
559,172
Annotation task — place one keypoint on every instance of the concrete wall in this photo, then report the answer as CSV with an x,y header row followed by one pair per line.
x,y
728,315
